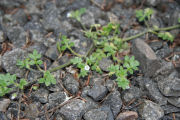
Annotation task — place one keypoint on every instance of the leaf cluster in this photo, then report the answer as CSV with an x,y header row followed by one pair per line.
x,y
81,65
142,15
33,59
7,81
166,36
47,79
77,14
129,66
64,44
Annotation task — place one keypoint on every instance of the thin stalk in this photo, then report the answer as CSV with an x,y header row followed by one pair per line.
x,y
168,28
152,31
135,36
68,63
60,67
39,68
72,51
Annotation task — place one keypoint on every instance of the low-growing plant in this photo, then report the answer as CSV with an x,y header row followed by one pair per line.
x,y
106,44
47,78
35,59
77,14
7,82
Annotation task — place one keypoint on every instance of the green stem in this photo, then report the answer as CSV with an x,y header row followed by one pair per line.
x,y
152,31
72,51
39,68
60,67
68,63
168,28
135,36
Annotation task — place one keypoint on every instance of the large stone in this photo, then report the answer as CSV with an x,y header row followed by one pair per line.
x,y
170,86
52,52
56,98
9,61
95,114
50,17
4,103
150,111
17,35
130,94
154,93
40,95
73,110
71,84
170,109
128,115
107,110
174,101
105,63
152,3
114,101
146,56
98,92
88,19
31,111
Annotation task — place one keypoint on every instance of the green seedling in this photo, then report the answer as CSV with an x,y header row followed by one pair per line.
x,y
142,15
121,75
33,59
84,68
77,14
166,36
130,64
7,81
47,79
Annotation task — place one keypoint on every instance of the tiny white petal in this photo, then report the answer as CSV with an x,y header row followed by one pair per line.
x,y
14,95
127,87
68,14
87,67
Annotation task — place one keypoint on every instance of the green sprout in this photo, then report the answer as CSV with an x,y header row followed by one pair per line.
x,y
7,80
77,14
166,36
33,59
142,15
84,68
48,79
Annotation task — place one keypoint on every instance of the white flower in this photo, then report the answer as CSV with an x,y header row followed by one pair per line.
x,y
127,87
87,67
14,95
69,15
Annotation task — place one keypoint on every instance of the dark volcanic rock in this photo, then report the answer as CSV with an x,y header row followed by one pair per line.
x,y
114,101
150,111
170,109
52,52
128,115
4,103
17,35
105,63
41,95
146,56
130,94
9,61
170,86
154,93
95,114
174,101
31,111
73,110
70,84
98,92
